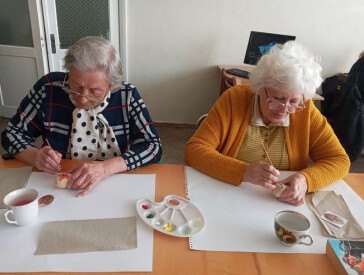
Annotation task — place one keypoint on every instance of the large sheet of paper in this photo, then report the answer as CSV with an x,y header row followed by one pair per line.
x,y
114,197
241,218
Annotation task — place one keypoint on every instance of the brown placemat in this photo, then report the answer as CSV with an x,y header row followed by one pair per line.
x,y
323,201
12,179
79,236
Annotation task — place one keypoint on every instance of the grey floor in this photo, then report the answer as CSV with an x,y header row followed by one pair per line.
x,y
174,139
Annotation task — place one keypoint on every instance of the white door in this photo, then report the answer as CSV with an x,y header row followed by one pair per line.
x,y
22,51
66,21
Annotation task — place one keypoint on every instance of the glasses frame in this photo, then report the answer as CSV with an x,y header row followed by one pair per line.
x,y
284,106
72,93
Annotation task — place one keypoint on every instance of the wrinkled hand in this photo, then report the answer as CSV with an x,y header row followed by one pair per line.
x,y
262,174
47,160
295,194
86,175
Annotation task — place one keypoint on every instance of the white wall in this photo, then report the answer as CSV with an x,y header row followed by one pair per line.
x,y
175,45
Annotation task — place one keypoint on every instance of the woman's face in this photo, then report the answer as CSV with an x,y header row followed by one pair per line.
x,y
91,85
268,98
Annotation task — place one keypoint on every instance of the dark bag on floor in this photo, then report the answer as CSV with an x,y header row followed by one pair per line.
x,y
344,109
332,92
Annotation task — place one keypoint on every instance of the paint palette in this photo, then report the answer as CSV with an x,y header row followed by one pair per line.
x,y
174,216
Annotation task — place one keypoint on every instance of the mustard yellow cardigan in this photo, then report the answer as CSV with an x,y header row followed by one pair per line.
x,y
213,148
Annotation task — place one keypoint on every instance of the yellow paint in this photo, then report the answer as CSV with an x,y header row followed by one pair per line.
x,y
168,228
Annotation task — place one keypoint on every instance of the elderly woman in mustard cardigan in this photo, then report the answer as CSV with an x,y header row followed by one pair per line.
x,y
254,131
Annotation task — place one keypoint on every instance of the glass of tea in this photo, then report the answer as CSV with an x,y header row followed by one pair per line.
x,y
22,206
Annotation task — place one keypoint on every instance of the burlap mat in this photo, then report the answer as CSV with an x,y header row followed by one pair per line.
x,y
12,179
78,236
323,201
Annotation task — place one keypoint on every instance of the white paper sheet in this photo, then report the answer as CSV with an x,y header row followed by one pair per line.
x,y
114,197
241,218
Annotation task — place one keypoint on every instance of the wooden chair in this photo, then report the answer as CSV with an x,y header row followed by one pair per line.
x,y
227,81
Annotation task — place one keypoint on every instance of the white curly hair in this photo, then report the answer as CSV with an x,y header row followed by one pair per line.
x,y
288,68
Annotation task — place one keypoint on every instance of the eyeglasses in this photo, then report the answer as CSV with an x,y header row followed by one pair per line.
x,y
291,108
72,93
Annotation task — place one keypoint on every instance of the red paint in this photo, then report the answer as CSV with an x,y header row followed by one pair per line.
x,y
63,176
145,206
21,202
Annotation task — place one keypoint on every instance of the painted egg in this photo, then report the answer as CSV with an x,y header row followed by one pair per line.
x,y
277,192
61,180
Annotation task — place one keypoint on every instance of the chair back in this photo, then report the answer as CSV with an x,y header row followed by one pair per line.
x,y
227,81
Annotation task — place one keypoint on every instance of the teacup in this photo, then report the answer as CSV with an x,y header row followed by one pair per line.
x,y
292,228
23,205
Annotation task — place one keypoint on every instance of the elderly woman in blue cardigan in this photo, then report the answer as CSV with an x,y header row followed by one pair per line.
x,y
86,113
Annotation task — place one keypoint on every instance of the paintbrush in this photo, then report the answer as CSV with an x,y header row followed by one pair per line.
x,y
265,150
60,167
48,143
277,192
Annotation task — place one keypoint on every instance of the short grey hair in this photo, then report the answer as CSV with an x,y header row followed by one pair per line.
x,y
94,53
287,68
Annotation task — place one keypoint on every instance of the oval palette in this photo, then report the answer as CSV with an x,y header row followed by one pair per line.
x,y
174,216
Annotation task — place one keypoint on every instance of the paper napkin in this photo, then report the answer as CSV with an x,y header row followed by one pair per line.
x,y
334,214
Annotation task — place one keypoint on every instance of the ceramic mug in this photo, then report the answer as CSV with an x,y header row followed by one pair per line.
x,y
292,228
23,205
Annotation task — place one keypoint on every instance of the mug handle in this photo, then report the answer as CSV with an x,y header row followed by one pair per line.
x,y
306,236
6,217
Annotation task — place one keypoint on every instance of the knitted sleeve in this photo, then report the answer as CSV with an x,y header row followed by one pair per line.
x,y
330,161
204,150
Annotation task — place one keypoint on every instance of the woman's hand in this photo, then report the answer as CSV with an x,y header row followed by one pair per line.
x,y
295,194
44,159
262,174
86,175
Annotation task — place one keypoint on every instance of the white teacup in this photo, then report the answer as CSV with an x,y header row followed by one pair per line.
x,y
23,205
292,228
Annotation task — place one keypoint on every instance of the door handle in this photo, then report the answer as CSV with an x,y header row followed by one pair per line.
x,y
53,44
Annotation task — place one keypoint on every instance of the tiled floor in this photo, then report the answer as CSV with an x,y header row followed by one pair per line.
x,y
174,139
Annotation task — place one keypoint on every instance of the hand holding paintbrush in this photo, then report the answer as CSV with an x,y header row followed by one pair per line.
x,y
280,187
45,159
266,152
261,173
55,158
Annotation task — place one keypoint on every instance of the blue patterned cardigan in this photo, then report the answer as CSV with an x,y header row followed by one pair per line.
x,y
47,111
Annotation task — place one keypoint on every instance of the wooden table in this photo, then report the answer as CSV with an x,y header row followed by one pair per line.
x,y
171,255
241,80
